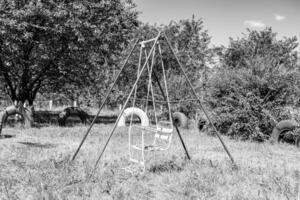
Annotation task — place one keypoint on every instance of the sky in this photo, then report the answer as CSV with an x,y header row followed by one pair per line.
x,y
227,18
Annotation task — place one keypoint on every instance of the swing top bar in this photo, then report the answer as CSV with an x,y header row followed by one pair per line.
x,y
147,41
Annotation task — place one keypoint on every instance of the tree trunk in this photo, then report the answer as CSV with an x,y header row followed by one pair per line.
x,y
27,112
1,121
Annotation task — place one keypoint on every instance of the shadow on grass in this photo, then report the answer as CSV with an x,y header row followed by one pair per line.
x,y
167,166
39,145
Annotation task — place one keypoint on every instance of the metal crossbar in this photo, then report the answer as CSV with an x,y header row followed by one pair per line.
x,y
147,41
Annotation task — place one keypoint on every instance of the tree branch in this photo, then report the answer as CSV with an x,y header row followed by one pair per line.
x,y
7,78
48,66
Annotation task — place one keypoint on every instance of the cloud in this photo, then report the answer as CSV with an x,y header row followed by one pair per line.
x,y
279,17
254,23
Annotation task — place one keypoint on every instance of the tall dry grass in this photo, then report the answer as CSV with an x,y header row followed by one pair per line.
x,y
35,165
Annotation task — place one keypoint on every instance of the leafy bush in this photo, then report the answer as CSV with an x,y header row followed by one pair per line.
x,y
239,99
257,81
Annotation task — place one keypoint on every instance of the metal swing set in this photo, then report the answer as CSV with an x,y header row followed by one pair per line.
x,y
162,129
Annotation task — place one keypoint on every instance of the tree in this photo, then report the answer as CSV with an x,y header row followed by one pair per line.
x,y
258,74
191,44
259,45
46,44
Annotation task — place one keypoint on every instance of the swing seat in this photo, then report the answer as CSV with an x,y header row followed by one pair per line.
x,y
165,127
162,136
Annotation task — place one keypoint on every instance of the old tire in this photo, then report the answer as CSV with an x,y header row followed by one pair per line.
x,y
281,127
297,142
72,111
11,110
135,111
201,123
180,119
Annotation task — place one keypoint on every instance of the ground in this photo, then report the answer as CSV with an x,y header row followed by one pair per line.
x,y
35,164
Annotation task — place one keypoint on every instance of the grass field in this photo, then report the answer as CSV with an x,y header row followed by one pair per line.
x,y
35,165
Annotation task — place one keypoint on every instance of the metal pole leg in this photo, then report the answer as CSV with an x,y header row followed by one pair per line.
x,y
127,100
174,124
105,99
199,101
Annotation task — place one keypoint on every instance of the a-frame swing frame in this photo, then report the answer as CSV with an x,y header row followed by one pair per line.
x,y
160,36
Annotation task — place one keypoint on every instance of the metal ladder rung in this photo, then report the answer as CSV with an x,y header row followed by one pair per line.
x,y
152,148
165,130
163,137
135,169
136,147
136,161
